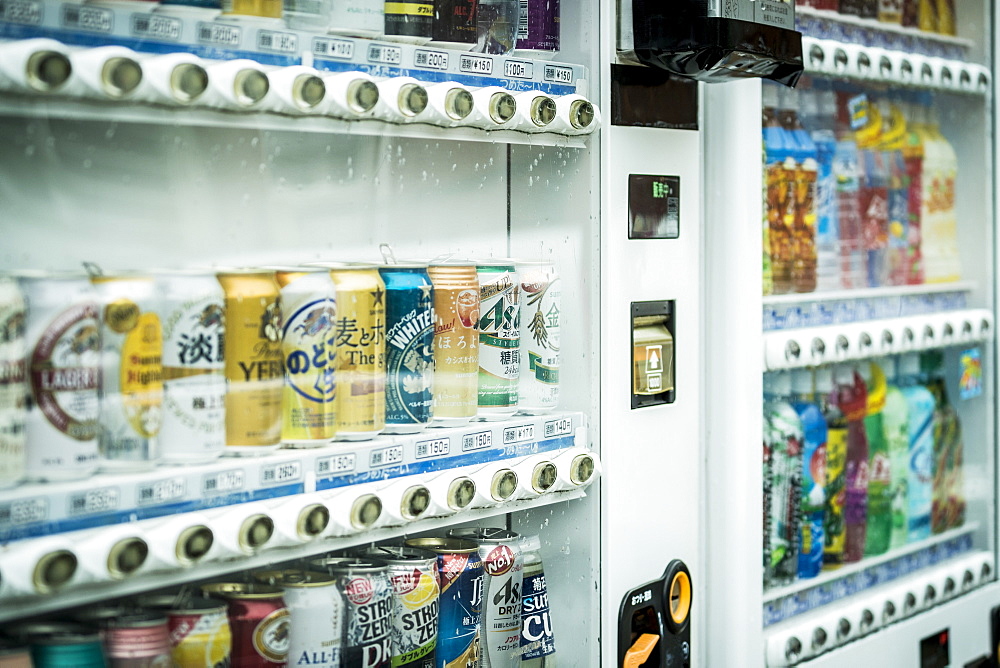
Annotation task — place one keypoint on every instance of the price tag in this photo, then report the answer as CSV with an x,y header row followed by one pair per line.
x,y
519,434
99,500
431,60
556,74
387,55
386,456
333,48
477,441
24,511
225,481
275,474
434,448
281,42
559,427
518,69
161,491
91,19
153,26
475,64
336,464
218,34
21,11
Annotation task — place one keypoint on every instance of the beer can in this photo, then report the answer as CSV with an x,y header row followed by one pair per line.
x,y
456,341
14,654
503,567
200,636
409,20
63,645
308,404
358,18
454,24
360,350
364,584
409,348
499,339
537,644
13,388
538,28
191,305
138,640
416,591
254,377
131,372
316,621
64,348
259,622
541,303
460,575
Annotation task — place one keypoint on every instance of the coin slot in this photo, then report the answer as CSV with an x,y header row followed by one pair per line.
x,y
188,81
47,70
365,511
193,544
313,520
126,557
461,492
54,570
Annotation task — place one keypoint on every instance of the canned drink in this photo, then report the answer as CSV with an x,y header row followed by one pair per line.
x,y
503,567
64,348
308,405
13,388
409,20
409,348
358,18
254,376
259,621
456,341
455,24
199,631
541,305
460,575
138,640
63,645
192,311
416,591
265,9
316,607
538,28
537,644
499,339
360,349
131,372
364,583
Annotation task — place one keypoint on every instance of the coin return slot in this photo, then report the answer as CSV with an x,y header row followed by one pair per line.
x,y
313,520
126,557
193,544
653,353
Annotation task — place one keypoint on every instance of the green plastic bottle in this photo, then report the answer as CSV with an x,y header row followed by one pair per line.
x,y
879,535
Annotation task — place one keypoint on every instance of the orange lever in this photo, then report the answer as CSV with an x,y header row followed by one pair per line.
x,y
640,650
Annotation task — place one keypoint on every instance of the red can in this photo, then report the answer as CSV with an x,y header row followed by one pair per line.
x,y
199,630
259,622
138,640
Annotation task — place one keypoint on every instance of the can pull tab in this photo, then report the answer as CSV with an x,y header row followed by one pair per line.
x,y
387,253
639,652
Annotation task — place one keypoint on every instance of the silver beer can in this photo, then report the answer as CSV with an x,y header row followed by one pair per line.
x,y
541,303
13,388
499,339
316,614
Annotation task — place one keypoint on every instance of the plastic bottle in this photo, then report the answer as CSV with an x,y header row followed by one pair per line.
x,y
852,397
891,143
846,165
817,117
945,10
948,495
778,145
913,157
927,15
890,11
920,430
803,222
879,530
895,420
873,197
767,282
783,437
813,474
834,523
940,225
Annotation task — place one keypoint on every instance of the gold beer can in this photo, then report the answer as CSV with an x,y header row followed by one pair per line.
x,y
308,403
254,376
359,336
456,341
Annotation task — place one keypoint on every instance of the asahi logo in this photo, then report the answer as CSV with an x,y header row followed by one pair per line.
x,y
499,561
359,591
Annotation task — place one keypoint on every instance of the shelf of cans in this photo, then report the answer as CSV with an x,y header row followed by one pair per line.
x,y
900,31
469,595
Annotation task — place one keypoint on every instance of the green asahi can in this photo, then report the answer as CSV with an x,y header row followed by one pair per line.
x,y
499,339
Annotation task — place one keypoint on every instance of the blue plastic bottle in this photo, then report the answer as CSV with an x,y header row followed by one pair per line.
x,y
921,404
813,474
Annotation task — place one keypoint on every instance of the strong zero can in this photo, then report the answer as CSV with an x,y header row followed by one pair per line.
x,y
409,349
541,303
64,347
456,341
316,606
503,567
131,372
537,646
13,388
367,593
499,339
192,312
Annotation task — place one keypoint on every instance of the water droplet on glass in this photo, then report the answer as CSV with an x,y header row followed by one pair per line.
x,y
29,151
254,142
87,163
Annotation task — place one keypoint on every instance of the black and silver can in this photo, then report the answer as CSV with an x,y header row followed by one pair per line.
x,y
364,584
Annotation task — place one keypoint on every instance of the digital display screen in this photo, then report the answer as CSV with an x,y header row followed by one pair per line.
x,y
654,204
934,650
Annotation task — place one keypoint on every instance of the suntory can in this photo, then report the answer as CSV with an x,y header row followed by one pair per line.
x,y
131,372
259,622
409,20
253,361
308,404
316,621
138,640
200,636
360,347
367,593
460,574
456,341
541,303
416,591
503,567
63,645
13,387
499,339
191,305
536,625
64,351
409,347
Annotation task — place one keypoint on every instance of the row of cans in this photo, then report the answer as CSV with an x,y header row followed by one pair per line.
x,y
126,370
476,598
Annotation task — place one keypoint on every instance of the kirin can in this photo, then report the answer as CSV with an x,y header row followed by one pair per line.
x,y
499,339
409,20
455,24
460,575
358,18
456,341
191,305
308,404
64,351
254,374
360,347
63,645
416,591
503,567
131,372
538,28
537,641
316,621
367,593
409,348
138,640
259,622
199,631
13,387
541,303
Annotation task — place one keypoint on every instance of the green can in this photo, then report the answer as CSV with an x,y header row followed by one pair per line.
x,y
64,645
499,339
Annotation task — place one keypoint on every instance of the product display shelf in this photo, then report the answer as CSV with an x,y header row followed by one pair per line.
x,y
892,291
804,12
